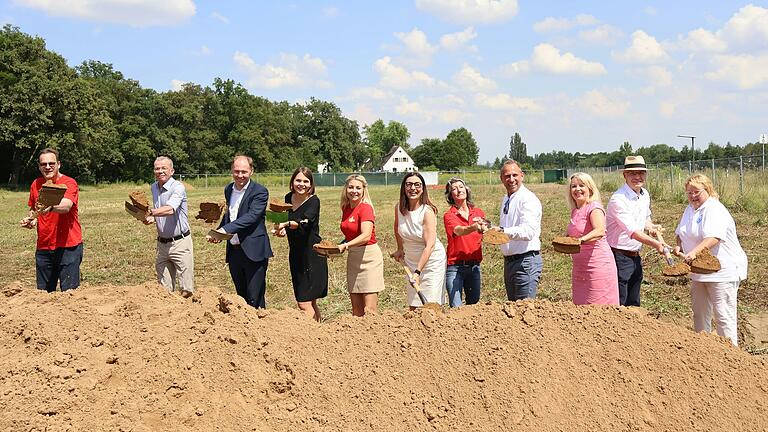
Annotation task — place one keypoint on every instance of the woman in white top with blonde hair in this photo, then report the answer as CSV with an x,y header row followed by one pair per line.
x,y
706,223
417,242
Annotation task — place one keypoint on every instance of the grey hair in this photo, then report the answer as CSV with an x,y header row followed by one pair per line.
x,y
449,197
164,159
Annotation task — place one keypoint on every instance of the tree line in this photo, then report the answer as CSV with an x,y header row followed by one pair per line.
x,y
109,128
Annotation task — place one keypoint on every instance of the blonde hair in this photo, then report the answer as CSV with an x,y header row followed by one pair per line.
x,y
594,192
366,198
703,182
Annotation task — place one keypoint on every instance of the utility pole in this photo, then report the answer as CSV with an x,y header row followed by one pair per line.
x,y
693,149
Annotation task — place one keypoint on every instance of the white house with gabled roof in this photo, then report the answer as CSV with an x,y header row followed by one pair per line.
x,y
397,160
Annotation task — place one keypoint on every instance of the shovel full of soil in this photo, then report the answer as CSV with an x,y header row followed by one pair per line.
x,y
705,263
566,245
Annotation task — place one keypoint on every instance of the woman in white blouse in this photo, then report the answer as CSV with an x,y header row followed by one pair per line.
x,y
706,223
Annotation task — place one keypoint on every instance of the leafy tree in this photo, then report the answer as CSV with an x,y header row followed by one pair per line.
x,y
380,138
424,154
458,149
517,149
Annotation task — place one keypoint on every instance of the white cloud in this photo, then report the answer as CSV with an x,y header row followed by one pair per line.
x,y
471,80
291,71
605,34
645,49
650,10
415,42
203,51
397,77
458,41
597,103
547,58
407,108
701,40
363,114
219,17
550,24
658,76
177,85
745,71
747,28
368,93
330,12
138,13
667,108
470,11
503,101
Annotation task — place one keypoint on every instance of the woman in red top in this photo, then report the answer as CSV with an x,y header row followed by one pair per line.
x,y
365,262
464,225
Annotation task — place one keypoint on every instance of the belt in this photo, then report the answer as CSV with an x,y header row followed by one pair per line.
x,y
630,254
520,255
465,263
168,240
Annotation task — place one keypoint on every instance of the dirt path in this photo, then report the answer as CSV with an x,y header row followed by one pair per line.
x,y
137,359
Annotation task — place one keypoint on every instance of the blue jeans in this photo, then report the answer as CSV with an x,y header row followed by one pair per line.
x,y
466,277
521,275
58,265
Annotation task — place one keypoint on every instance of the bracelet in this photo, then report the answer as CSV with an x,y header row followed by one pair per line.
x,y
417,271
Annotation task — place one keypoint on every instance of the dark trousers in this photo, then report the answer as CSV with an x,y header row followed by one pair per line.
x,y
250,277
630,271
62,264
521,275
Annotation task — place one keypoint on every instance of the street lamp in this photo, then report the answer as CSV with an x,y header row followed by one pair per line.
x,y
693,149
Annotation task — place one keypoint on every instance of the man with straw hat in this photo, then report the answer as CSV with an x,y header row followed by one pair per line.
x,y
629,226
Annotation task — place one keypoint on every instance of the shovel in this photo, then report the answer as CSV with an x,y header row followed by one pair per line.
x,y
667,249
414,285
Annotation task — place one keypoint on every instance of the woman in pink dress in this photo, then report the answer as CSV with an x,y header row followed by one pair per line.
x,y
593,278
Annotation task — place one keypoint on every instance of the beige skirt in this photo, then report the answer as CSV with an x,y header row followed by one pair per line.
x,y
365,269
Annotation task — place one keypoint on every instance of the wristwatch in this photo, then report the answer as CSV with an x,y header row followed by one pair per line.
x,y
417,271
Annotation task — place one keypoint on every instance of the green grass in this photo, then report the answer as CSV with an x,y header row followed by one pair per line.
x,y
121,251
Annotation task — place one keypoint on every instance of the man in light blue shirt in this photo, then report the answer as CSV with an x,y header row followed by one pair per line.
x,y
174,243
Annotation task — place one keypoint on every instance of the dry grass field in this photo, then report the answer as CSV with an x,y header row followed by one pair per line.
x,y
121,251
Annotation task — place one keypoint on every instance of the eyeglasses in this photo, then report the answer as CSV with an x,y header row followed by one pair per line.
x,y
694,194
409,185
44,164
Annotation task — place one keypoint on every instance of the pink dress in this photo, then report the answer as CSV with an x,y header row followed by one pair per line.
x,y
593,278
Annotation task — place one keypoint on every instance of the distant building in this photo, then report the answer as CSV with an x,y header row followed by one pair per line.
x,y
397,160
322,167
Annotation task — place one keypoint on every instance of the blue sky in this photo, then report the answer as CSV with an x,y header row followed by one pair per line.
x,y
575,76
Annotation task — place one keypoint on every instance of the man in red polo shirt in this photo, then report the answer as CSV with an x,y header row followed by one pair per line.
x,y
59,236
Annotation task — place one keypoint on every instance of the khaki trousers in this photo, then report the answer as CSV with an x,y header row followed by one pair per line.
x,y
175,259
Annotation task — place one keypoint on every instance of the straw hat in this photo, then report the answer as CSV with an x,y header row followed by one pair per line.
x,y
634,163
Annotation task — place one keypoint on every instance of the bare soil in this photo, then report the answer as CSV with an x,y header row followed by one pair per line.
x,y
134,358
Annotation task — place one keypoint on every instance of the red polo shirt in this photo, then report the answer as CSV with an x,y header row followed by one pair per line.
x,y
353,218
56,230
467,247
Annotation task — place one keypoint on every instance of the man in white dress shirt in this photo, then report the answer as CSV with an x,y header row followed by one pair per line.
x,y
520,219
628,217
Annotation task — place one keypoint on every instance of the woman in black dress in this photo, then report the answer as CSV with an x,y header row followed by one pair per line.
x,y
309,271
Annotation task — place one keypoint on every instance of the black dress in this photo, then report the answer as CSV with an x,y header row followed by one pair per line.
x,y
309,271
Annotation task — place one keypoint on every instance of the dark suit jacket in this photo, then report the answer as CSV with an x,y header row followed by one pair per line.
x,y
250,223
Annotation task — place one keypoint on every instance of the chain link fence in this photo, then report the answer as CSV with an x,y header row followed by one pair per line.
x,y
741,182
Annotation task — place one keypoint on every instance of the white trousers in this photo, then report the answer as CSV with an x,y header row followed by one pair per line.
x,y
717,297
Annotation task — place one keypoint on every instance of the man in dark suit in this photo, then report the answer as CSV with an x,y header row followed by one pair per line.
x,y
248,251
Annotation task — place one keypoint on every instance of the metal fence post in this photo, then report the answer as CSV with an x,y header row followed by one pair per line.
x,y
714,182
671,180
741,174
386,179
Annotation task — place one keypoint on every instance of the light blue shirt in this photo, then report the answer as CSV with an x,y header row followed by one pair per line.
x,y
172,194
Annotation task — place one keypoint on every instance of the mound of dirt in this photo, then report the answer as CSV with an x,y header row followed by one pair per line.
x,y
139,359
